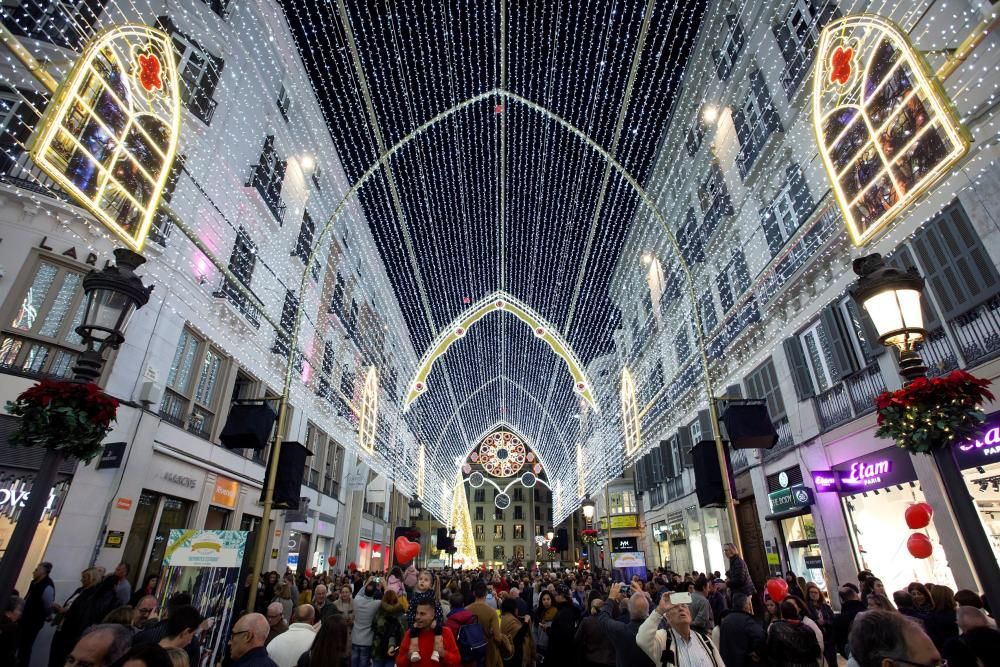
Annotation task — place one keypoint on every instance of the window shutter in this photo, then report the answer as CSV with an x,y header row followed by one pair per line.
x,y
801,199
739,38
640,482
721,67
955,262
843,359
823,11
902,258
772,233
770,121
705,421
740,271
708,317
784,38
656,465
742,131
684,443
800,371
725,292
647,472
869,337
667,457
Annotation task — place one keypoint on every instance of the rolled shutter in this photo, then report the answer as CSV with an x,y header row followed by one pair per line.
x,y
800,371
772,233
843,357
955,262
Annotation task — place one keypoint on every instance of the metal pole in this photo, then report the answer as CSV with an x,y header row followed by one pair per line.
x,y
263,536
727,489
27,522
607,513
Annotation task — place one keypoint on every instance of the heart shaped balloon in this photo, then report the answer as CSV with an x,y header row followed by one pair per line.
x,y
406,550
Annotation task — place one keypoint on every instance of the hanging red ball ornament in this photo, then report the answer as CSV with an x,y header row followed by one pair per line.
x,y
352,566
777,589
363,544
919,545
918,515
332,560
309,572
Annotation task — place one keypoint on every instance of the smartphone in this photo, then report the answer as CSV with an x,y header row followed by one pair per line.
x,y
680,598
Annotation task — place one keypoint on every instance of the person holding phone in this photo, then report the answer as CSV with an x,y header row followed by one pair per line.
x,y
623,635
678,645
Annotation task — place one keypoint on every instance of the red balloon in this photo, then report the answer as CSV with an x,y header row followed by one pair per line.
x,y
363,544
332,560
309,572
352,566
406,550
777,589
918,515
919,545
376,548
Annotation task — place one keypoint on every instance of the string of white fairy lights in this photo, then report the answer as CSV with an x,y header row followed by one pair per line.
x,y
561,55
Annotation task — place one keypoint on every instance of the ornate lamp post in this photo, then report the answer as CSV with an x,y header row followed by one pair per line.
x,y
588,508
415,506
891,297
113,295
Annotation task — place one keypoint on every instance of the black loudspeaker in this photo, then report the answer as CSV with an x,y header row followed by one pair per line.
x,y
442,538
749,426
707,475
561,542
248,426
288,482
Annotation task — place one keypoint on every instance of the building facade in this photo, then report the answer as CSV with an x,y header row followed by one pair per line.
x,y
750,209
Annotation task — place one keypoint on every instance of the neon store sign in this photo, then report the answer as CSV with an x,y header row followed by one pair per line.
x,y
875,471
982,450
866,474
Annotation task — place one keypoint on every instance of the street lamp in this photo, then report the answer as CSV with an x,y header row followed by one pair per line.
x,y
891,298
588,509
112,295
415,506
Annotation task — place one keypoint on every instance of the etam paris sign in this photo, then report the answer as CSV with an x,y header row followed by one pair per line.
x,y
983,449
874,471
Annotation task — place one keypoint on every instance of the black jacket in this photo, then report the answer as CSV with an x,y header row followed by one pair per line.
x,y
622,637
940,626
791,644
739,577
842,625
561,634
255,657
740,634
34,608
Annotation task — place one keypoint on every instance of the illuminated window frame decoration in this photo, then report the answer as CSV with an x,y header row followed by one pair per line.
x,y
500,302
123,87
502,454
880,172
581,472
368,420
631,424
421,471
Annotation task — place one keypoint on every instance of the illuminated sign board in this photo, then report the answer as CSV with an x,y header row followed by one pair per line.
x,y
875,471
109,136
624,544
885,128
982,450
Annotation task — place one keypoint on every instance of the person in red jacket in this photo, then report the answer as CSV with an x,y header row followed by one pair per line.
x,y
423,623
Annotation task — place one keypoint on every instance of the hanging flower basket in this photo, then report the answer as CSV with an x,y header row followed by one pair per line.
x,y
589,536
70,417
931,414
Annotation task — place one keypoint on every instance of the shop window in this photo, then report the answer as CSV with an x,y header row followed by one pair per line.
x,y
217,519
763,383
155,516
479,513
40,319
518,531
732,44
755,120
268,176
498,531
190,399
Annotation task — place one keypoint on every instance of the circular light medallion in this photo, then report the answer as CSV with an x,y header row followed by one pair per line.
x,y
539,540
466,468
528,480
502,501
502,454
476,480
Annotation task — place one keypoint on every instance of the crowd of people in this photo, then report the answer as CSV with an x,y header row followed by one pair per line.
x,y
511,618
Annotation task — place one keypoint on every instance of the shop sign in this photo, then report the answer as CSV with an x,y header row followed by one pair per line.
x,y
624,544
814,562
621,521
824,481
112,456
114,539
226,492
124,503
773,559
984,449
180,480
14,494
793,498
883,468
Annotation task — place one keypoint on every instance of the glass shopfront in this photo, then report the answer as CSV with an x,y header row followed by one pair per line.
x,y
155,516
791,501
15,487
875,491
979,460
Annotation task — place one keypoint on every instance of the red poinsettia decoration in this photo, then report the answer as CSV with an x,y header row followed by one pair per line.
x,y
71,417
590,536
149,72
840,65
930,413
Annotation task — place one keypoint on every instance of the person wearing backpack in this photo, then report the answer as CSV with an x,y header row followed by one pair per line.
x,y
522,653
487,617
790,642
468,633
387,630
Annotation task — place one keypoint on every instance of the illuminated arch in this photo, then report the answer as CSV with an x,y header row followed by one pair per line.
x,y
500,302
631,423
368,421
109,136
885,128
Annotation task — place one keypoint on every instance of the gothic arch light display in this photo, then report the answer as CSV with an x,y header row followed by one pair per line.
x,y
886,130
500,302
109,136
368,421
631,424
502,454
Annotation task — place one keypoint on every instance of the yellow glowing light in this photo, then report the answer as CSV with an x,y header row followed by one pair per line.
x,y
109,136
421,471
465,544
500,302
885,128
631,424
307,163
368,421
711,114
581,473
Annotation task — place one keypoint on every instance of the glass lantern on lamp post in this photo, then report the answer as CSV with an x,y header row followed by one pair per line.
x,y
891,297
588,508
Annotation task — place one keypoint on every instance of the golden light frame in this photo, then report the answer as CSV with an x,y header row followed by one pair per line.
x,y
368,420
631,424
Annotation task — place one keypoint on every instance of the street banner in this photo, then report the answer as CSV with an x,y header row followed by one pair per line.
x,y
205,564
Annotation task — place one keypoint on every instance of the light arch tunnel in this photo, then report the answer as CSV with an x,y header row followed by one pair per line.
x,y
383,162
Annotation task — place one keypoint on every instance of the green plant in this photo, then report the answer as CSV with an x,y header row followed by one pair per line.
x,y
72,418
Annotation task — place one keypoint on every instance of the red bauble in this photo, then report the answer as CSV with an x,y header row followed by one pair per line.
x,y
919,545
332,560
918,515
352,566
376,548
363,544
309,572
406,550
777,589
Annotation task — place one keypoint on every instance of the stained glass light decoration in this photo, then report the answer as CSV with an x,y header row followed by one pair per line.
x,y
502,454
368,421
528,480
109,136
502,501
885,128
476,479
630,414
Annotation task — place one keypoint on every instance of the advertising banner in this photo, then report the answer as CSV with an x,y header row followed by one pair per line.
x,y
205,564
627,564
